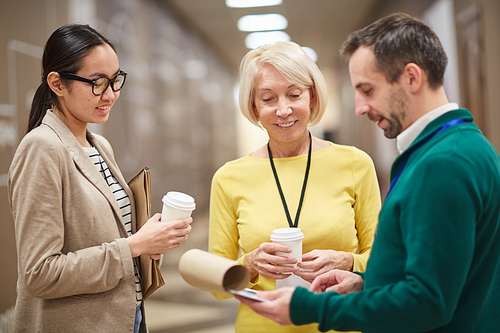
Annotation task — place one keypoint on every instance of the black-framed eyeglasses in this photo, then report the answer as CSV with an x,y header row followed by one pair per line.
x,y
100,84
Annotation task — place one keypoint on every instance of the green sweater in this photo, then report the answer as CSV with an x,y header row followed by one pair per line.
x,y
436,248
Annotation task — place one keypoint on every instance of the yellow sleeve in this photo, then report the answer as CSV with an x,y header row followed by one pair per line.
x,y
223,232
366,207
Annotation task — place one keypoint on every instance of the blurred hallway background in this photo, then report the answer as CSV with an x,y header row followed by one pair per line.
x,y
177,112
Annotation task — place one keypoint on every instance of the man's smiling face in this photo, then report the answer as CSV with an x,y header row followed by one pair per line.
x,y
384,103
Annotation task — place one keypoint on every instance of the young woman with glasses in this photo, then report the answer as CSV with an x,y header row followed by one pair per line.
x,y
74,214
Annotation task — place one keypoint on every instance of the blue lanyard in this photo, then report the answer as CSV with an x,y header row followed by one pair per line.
x,y
420,144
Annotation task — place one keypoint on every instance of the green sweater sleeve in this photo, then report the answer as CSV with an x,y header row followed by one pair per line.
x,y
309,309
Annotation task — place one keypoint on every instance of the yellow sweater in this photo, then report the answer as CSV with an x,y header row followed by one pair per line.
x,y
340,212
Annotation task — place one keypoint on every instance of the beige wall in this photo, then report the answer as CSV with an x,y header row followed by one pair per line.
x,y
175,113
20,71
485,67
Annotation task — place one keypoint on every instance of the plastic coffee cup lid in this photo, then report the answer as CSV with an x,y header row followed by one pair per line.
x,y
287,235
179,200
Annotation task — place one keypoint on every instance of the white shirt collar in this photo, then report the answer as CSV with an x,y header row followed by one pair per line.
x,y
406,138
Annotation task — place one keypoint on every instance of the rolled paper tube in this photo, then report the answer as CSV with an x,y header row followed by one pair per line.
x,y
210,272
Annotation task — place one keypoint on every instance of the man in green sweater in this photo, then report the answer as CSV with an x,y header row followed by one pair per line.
x,y
433,266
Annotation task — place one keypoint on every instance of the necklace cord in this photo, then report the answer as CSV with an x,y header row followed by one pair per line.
x,y
304,185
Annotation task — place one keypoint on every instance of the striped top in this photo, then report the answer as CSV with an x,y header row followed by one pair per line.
x,y
123,202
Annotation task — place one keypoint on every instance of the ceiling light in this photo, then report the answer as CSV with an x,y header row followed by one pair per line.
x,y
311,53
256,39
252,3
262,22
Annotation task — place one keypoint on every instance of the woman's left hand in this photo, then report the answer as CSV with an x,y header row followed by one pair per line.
x,y
317,262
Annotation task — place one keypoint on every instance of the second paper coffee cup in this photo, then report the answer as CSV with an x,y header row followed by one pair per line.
x,y
177,205
291,237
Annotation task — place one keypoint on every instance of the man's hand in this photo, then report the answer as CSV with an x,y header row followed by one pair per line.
x,y
342,282
278,309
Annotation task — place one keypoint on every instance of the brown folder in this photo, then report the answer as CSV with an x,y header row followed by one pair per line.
x,y
151,278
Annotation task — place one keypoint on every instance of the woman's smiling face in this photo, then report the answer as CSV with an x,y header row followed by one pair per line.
x,y
283,107
79,105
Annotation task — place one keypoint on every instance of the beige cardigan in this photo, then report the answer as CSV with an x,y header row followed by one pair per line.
x,y
75,269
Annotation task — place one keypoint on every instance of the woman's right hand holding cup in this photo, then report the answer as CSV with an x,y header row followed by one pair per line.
x,y
156,237
268,260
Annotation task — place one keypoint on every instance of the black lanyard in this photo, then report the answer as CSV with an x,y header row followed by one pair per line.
x,y
420,144
306,176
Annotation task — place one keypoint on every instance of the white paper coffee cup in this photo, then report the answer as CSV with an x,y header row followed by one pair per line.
x,y
291,237
176,205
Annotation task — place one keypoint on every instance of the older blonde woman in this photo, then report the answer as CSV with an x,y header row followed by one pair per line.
x,y
327,190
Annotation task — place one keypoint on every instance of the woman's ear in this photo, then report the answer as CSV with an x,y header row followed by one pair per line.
x,y
255,112
55,83
312,103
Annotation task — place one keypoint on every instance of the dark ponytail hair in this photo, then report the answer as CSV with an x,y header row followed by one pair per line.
x,y
64,51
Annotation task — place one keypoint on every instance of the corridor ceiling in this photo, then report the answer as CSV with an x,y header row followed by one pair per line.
x,y
320,24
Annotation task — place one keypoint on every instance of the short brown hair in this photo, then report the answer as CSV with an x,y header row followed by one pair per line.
x,y
399,39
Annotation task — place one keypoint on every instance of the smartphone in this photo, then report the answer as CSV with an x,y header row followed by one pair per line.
x,y
247,293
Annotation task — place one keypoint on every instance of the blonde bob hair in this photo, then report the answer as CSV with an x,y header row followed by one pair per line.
x,y
292,63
